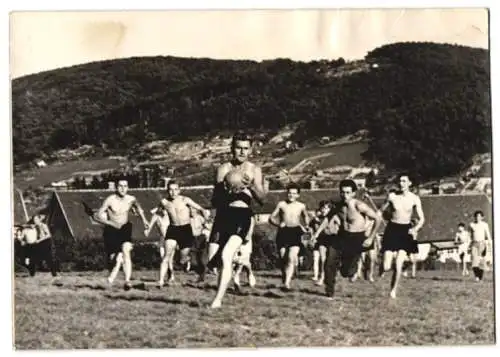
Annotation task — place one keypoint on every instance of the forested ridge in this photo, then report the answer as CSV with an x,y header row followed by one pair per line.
x,y
426,106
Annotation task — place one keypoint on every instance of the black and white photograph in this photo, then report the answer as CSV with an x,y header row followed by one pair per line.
x,y
251,178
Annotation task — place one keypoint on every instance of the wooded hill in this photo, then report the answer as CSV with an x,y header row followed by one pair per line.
x,y
426,105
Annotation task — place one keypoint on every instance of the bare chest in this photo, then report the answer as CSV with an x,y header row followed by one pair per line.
x,y
120,205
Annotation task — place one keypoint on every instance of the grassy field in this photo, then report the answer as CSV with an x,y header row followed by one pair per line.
x,y
80,311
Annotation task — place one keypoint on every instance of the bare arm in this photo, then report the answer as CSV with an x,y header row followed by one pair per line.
x,y
371,214
191,203
274,216
154,218
489,243
420,214
101,213
139,209
320,229
44,229
305,216
257,186
385,205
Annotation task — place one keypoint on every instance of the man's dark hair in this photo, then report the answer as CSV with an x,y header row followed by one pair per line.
x,y
241,136
348,183
461,224
323,203
404,174
478,212
171,182
292,186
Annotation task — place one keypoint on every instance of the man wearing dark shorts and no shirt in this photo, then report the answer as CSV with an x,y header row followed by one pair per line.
x,y
399,240
117,233
234,221
347,247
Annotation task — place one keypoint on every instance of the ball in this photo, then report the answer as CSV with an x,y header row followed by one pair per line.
x,y
233,181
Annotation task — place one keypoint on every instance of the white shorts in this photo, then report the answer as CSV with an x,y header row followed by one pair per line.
x,y
463,248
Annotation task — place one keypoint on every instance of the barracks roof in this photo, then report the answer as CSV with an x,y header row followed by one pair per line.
x,y
442,212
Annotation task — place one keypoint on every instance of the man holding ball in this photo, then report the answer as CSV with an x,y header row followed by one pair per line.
x,y
238,182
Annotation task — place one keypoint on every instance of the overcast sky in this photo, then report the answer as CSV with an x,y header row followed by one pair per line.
x,y
44,40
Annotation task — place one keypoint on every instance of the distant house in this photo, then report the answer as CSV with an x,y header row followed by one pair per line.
x,y
324,140
41,163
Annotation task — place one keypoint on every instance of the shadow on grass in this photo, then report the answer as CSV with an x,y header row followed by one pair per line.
x,y
246,291
140,286
439,278
163,299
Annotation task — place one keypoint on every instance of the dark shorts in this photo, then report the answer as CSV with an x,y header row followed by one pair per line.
x,y
323,240
183,235
114,237
233,221
396,237
350,243
289,237
218,225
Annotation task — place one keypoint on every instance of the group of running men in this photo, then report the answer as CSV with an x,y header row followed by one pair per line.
x,y
343,232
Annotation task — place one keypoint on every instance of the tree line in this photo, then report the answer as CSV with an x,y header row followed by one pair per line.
x,y
426,106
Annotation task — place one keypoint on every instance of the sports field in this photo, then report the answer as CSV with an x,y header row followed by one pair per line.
x,y
80,311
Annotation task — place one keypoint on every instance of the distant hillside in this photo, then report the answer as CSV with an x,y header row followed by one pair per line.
x,y
426,105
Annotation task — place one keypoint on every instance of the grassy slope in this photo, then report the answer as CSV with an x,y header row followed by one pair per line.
x,y
45,175
82,313
347,154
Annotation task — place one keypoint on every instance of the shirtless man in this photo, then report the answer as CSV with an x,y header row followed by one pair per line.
x,y
462,239
117,233
287,217
234,217
36,239
325,234
399,240
179,232
160,218
320,245
347,247
480,244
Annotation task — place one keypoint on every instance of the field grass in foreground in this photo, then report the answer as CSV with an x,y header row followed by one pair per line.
x,y
80,311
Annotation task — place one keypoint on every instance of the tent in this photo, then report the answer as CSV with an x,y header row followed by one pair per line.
x,y
19,208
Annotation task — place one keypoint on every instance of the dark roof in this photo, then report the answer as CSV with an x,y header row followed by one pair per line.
x,y
19,210
442,212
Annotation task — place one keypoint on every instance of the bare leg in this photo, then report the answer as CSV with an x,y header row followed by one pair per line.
x,y
230,249
185,258
359,268
414,267
116,268
236,276
127,262
293,257
316,259
372,255
283,264
170,245
251,277
388,258
400,258
322,261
